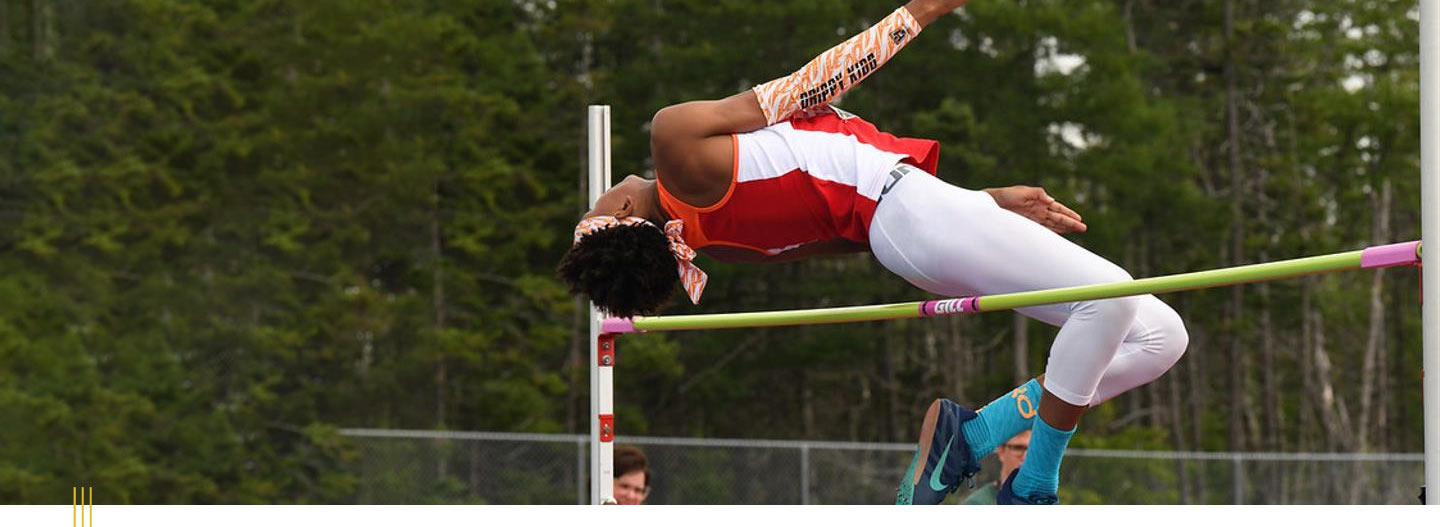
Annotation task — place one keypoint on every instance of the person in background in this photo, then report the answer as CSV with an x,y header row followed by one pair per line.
x,y
1011,455
632,476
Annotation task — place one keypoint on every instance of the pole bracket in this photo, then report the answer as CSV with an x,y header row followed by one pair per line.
x,y
607,428
605,344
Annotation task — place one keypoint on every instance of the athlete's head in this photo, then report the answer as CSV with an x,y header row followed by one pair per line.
x,y
626,269
622,260
633,196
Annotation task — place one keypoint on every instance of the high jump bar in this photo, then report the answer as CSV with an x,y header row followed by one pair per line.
x,y
1397,254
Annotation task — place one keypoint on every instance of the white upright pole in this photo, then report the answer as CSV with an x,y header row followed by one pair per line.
x,y
1430,234
602,452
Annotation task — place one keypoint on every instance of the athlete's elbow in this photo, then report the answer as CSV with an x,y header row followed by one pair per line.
x,y
667,121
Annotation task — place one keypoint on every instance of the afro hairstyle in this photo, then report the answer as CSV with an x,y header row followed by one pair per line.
x,y
626,270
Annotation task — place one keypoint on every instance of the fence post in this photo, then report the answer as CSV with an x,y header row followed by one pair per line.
x,y
805,473
580,473
1239,476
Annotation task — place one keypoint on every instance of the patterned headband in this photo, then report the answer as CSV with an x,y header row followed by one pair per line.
x,y
690,276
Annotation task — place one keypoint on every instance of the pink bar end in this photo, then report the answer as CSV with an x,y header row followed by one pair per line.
x,y
618,325
1390,255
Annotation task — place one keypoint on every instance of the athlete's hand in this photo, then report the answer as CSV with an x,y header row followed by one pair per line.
x,y
1035,204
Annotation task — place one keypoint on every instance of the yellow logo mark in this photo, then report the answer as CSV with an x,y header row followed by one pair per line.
x,y
80,498
1023,404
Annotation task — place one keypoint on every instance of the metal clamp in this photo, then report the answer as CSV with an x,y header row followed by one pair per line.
x,y
607,428
605,356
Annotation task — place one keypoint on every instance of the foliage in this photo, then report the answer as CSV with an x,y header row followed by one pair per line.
x,y
236,227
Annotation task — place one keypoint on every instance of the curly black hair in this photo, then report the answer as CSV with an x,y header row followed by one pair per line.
x,y
626,270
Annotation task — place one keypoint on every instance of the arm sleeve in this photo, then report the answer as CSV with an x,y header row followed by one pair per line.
x,y
836,70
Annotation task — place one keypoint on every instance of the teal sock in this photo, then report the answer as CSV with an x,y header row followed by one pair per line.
x,y
1039,475
1004,417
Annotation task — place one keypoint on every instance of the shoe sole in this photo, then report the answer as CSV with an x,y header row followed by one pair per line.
x,y
927,433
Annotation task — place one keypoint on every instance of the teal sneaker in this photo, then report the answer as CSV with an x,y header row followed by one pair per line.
x,y
946,453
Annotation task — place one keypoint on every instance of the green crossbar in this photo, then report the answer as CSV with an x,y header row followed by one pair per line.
x,y
1375,257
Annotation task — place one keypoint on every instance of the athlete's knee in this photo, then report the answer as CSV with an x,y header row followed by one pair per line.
x,y
1165,338
1174,337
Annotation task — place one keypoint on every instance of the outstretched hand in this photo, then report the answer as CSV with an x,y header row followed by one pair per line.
x,y
1035,204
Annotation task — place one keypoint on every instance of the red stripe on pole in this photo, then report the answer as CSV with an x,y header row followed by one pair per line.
x,y
607,428
605,356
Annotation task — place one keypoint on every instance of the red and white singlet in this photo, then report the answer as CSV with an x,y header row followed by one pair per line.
x,y
821,178
800,181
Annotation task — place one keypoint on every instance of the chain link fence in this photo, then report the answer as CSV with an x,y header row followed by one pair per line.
x,y
430,467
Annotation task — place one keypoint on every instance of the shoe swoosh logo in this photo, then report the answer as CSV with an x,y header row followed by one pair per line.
x,y
935,483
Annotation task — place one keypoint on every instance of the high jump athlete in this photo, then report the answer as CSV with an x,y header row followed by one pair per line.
x,y
776,174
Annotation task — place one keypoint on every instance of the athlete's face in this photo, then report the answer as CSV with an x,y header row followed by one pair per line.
x,y
620,200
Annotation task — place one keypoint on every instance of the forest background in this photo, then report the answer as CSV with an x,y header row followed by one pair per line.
x,y
232,227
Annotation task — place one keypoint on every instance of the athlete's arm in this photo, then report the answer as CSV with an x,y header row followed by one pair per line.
x,y
689,142
842,67
1035,204
820,81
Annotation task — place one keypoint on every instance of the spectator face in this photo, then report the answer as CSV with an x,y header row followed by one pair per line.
x,y
630,488
1012,452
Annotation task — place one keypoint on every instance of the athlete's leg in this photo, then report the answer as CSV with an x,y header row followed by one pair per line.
x,y
955,242
1155,342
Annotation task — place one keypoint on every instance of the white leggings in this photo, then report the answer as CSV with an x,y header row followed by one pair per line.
x,y
957,242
